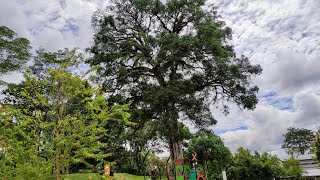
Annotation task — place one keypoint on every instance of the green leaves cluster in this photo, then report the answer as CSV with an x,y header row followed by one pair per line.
x,y
292,168
18,150
316,146
263,166
211,152
298,141
56,119
14,51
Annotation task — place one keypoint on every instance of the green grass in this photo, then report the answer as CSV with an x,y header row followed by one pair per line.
x,y
125,176
84,176
94,176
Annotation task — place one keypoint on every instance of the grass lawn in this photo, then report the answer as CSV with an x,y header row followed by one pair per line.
x,y
94,176
82,176
124,176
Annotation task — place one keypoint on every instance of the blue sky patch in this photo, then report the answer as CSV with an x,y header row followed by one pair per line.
x,y
305,34
72,26
222,131
282,103
54,16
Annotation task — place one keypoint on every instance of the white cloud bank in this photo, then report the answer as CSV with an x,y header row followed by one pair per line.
x,y
282,36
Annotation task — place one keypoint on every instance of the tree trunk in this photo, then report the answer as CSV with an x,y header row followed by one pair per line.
x,y
167,169
175,152
57,153
144,160
205,169
57,170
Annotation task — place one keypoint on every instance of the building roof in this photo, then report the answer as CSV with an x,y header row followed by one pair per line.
x,y
313,172
308,164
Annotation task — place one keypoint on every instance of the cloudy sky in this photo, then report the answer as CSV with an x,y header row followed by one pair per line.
x,y
281,35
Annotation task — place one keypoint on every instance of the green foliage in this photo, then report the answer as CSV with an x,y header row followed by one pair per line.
x,y
211,152
316,146
63,117
298,141
14,51
156,166
18,152
63,59
169,60
143,142
292,168
247,166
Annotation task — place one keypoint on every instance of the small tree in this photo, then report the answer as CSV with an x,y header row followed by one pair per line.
x,y
298,141
247,166
292,168
156,166
211,153
143,142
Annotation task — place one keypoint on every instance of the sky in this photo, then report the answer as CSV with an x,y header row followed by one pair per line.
x,y
281,35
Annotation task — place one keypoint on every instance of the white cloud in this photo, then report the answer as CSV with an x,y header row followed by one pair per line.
x,y
12,16
266,124
290,72
283,37
44,21
13,77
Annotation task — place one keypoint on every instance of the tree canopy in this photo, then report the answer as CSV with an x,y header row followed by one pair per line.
x,y
14,51
262,166
298,140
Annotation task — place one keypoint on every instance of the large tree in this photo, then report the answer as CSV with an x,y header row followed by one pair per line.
x,y
298,140
170,60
